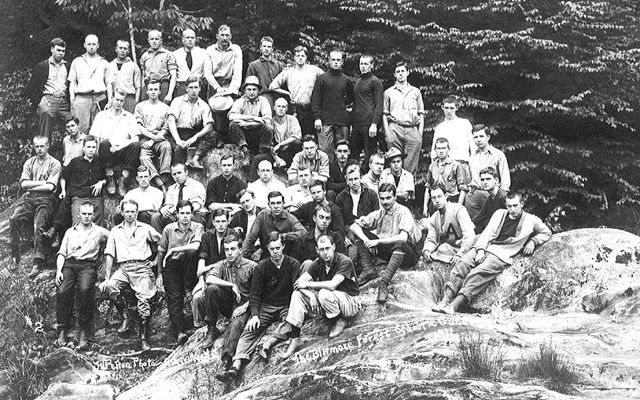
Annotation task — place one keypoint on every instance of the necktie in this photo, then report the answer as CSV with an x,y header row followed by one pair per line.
x,y
189,61
180,193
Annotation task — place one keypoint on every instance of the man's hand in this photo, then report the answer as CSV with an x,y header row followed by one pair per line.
x,y
256,255
480,256
103,285
373,130
426,255
318,125
314,305
97,188
240,310
347,242
290,236
165,211
236,292
62,194
182,143
160,282
147,144
360,221
168,98
297,285
59,278
371,243
454,260
253,324
276,147
529,248
189,142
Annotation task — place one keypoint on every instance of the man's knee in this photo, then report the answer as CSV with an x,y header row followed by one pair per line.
x,y
326,296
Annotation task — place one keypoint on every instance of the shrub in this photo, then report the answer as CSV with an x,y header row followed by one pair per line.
x,y
480,358
555,369
26,379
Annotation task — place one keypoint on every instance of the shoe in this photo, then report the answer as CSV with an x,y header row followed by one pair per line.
x,y
111,184
122,188
182,339
62,338
83,342
220,144
338,327
367,276
56,241
265,349
228,375
126,323
294,345
383,293
15,253
212,335
34,271
246,158
195,165
144,334
438,307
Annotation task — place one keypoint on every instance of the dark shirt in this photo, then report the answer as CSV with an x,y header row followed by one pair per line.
x,y
332,92
266,223
240,220
488,208
341,265
80,175
368,203
337,181
509,228
368,94
209,250
241,275
307,211
271,285
222,190
306,246
265,70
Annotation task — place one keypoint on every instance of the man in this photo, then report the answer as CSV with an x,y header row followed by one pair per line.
x,y
448,173
310,156
243,220
306,212
266,184
450,233
76,265
159,64
398,176
485,155
332,94
508,232
149,199
307,243
368,95
118,132
496,200
228,286
128,246
222,191
266,68
372,178
329,286
337,168
126,75
250,120
297,84
48,89
269,299
395,240
274,219
299,193
456,130
176,261
40,175
89,80
73,142
223,71
403,117
190,62
151,116
190,123
185,188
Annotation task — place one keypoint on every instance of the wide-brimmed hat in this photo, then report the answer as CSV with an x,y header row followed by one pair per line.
x,y
251,80
393,153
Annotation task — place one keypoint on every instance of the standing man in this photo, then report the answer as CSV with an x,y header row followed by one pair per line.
x,y
299,81
128,246
266,68
223,71
310,156
372,178
222,191
177,259
190,123
149,199
367,110
159,64
89,80
73,142
337,168
403,117
266,184
457,131
48,89
448,173
77,262
40,175
190,62
126,75
332,94
395,240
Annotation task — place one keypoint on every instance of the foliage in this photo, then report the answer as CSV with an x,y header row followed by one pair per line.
x,y
480,358
557,371
26,380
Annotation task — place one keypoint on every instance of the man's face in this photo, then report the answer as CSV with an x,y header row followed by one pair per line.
x,y
275,250
72,128
90,148
251,92
220,223
438,198
488,182
376,166
514,207
317,193
300,58
193,90
325,249
41,146
342,153
118,101
309,149
153,91
57,52
232,251
365,65
449,109
353,180
129,212
481,138
281,107
266,49
396,164
304,177
335,60
400,73
227,167
248,203
266,172
155,40
184,215
86,215
224,36
442,150
277,205
179,174
144,179
387,199
322,220
189,39
122,49
91,44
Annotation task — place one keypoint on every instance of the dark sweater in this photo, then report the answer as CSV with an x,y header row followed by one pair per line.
x,y
368,95
272,285
332,92
490,206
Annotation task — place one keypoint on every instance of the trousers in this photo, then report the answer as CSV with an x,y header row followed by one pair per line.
x,y
80,273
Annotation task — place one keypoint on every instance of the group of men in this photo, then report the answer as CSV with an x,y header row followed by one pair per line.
x,y
262,252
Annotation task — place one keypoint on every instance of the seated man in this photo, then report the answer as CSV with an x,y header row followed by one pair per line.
x,y
78,258
176,261
40,175
496,200
338,168
190,123
243,220
395,240
450,233
398,176
228,286
266,184
508,232
222,191
273,219
73,142
448,173
307,211
185,188
269,299
129,246
372,178
299,193
307,243
149,199
310,156
250,120
329,286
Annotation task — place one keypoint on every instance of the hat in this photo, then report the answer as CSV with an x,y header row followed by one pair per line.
x,y
251,80
393,153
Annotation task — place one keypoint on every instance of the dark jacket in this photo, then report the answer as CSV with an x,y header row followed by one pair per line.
x,y
368,203
240,219
39,77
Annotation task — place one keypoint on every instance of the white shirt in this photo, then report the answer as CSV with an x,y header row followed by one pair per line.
x,y
198,57
458,133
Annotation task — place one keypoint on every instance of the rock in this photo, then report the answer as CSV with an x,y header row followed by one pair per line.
x,y
66,391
